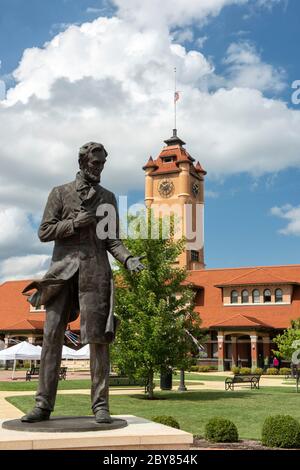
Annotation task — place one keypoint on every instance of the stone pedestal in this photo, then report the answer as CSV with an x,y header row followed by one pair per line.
x,y
138,434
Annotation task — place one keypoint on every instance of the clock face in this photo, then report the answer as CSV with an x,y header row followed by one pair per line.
x,y
195,189
166,188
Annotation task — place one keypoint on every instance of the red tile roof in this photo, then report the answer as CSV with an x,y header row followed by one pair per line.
x,y
260,276
180,155
213,313
15,314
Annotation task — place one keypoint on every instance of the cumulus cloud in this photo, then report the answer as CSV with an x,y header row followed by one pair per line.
x,y
24,267
111,80
246,69
291,215
169,13
17,233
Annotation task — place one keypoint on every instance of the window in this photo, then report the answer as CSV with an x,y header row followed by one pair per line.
x,y
194,255
267,295
255,296
278,295
234,297
245,296
168,159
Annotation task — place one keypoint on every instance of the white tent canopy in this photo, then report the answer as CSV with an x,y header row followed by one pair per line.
x,y
68,353
20,351
23,350
84,352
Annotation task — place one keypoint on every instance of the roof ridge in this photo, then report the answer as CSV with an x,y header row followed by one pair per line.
x,y
246,267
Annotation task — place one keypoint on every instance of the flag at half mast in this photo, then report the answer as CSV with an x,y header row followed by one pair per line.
x,y
176,96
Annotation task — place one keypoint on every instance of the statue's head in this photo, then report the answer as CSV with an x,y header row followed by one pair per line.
x,y
91,159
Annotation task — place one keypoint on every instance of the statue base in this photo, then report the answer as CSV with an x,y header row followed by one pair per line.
x,y
64,424
134,434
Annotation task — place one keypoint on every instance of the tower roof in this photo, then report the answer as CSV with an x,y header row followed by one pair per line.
x,y
199,169
150,164
174,140
170,158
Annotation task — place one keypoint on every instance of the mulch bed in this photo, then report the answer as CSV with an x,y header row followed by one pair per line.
x,y
240,445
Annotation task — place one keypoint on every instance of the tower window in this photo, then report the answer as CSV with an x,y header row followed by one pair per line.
x,y
234,296
195,255
267,295
168,159
278,295
245,296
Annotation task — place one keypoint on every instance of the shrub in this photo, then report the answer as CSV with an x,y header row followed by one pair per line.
x,y
167,421
235,370
272,371
245,370
204,368
285,371
257,371
281,431
221,430
194,368
213,368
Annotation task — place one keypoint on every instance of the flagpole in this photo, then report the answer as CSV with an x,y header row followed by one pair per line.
x,y
175,85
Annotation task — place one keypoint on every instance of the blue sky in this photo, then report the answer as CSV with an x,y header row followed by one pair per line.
x,y
242,228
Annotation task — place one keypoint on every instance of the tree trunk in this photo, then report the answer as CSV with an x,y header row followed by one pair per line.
x,y
150,385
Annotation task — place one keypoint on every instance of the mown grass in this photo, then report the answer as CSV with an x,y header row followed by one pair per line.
x,y
246,408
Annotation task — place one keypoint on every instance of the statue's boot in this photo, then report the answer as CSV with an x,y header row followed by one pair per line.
x,y
36,415
103,416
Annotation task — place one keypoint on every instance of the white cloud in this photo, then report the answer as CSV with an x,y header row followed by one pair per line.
x,y
24,267
171,13
183,35
290,214
246,69
270,3
201,41
2,90
17,233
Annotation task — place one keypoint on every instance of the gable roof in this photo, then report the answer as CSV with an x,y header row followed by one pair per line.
x,y
216,315
258,276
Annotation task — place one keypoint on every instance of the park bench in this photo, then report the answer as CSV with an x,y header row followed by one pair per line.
x,y
253,379
34,372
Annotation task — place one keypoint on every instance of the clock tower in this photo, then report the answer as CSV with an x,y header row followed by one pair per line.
x,y
173,180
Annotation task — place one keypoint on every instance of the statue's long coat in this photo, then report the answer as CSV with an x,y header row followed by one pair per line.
x,y
80,250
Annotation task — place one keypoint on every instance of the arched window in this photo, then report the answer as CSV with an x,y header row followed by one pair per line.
x,y
234,296
267,295
245,296
255,296
278,295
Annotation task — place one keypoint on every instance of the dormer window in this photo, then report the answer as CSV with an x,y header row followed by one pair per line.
x,y
278,295
255,296
234,296
168,159
245,296
267,295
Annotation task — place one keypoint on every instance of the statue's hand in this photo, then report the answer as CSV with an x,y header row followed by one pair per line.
x,y
134,264
84,218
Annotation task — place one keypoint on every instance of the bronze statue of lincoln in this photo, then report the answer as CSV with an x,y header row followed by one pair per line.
x,y
79,280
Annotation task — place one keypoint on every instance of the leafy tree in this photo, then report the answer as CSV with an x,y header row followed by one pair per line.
x,y
286,341
156,308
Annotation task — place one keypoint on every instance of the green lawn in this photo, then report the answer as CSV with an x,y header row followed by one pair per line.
x,y
86,383
246,408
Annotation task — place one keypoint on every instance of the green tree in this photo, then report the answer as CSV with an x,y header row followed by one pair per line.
x,y
286,341
156,308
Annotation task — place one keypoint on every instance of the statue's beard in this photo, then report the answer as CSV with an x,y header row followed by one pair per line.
x,y
94,177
